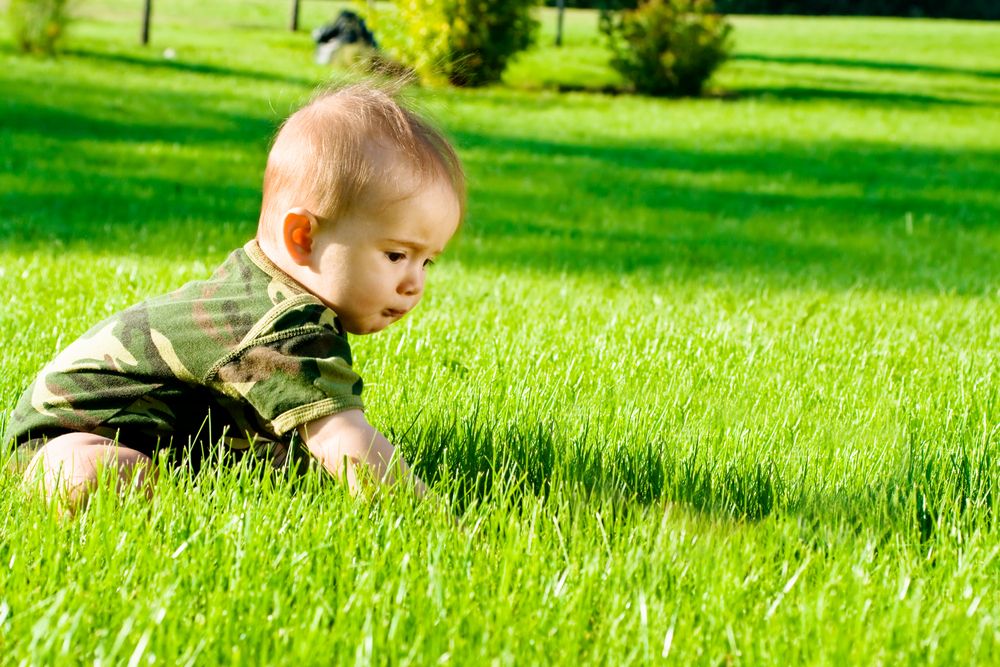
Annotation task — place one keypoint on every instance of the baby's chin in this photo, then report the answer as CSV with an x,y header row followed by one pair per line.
x,y
365,328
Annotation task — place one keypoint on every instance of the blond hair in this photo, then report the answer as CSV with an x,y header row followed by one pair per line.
x,y
344,147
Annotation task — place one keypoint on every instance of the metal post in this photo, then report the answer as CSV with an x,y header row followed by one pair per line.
x,y
559,21
147,10
294,23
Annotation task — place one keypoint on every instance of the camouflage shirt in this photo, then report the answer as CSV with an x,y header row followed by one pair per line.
x,y
243,358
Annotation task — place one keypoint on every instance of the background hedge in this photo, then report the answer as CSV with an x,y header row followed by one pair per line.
x,y
959,9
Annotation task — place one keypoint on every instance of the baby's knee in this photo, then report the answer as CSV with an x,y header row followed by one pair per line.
x,y
69,466
60,461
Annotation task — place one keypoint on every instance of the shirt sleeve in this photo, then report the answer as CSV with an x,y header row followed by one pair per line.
x,y
291,376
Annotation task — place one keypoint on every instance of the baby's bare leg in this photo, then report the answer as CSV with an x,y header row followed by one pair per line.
x,y
67,467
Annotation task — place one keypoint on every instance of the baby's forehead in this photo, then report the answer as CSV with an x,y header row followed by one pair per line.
x,y
386,194
397,174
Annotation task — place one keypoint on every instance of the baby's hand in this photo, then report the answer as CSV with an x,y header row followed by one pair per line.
x,y
349,447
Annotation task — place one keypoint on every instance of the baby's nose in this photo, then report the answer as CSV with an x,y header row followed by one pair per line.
x,y
413,284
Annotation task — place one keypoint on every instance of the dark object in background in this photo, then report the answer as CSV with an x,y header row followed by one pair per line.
x,y
348,28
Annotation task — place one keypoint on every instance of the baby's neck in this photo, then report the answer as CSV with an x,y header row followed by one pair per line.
x,y
280,258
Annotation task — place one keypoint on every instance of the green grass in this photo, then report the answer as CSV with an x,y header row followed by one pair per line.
x,y
716,378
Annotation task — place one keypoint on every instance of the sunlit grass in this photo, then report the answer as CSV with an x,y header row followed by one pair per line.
x,y
712,379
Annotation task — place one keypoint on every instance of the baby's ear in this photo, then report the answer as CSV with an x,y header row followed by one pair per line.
x,y
297,230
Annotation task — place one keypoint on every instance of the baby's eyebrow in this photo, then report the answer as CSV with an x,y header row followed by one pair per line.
x,y
409,244
413,245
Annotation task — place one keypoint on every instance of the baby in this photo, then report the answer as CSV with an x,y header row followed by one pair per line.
x,y
360,196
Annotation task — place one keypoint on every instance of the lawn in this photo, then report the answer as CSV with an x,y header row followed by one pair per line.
x,y
714,380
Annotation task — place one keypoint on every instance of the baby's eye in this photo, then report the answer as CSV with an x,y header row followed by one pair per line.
x,y
428,262
395,256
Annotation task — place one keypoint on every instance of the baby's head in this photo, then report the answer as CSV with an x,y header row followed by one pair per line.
x,y
360,195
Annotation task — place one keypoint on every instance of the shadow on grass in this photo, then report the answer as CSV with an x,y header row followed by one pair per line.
x,y
794,93
477,456
161,64
804,93
852,63
932,488
142,121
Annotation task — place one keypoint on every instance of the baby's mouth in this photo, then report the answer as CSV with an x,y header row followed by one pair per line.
x,y
393,313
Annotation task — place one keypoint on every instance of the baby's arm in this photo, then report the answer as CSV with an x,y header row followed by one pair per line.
x,y
344,440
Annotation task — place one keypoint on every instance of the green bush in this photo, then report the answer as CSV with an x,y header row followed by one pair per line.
x,y
667,47
38,25
463,42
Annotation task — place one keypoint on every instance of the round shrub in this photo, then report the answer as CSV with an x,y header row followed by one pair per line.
x,y
667,47
464,42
